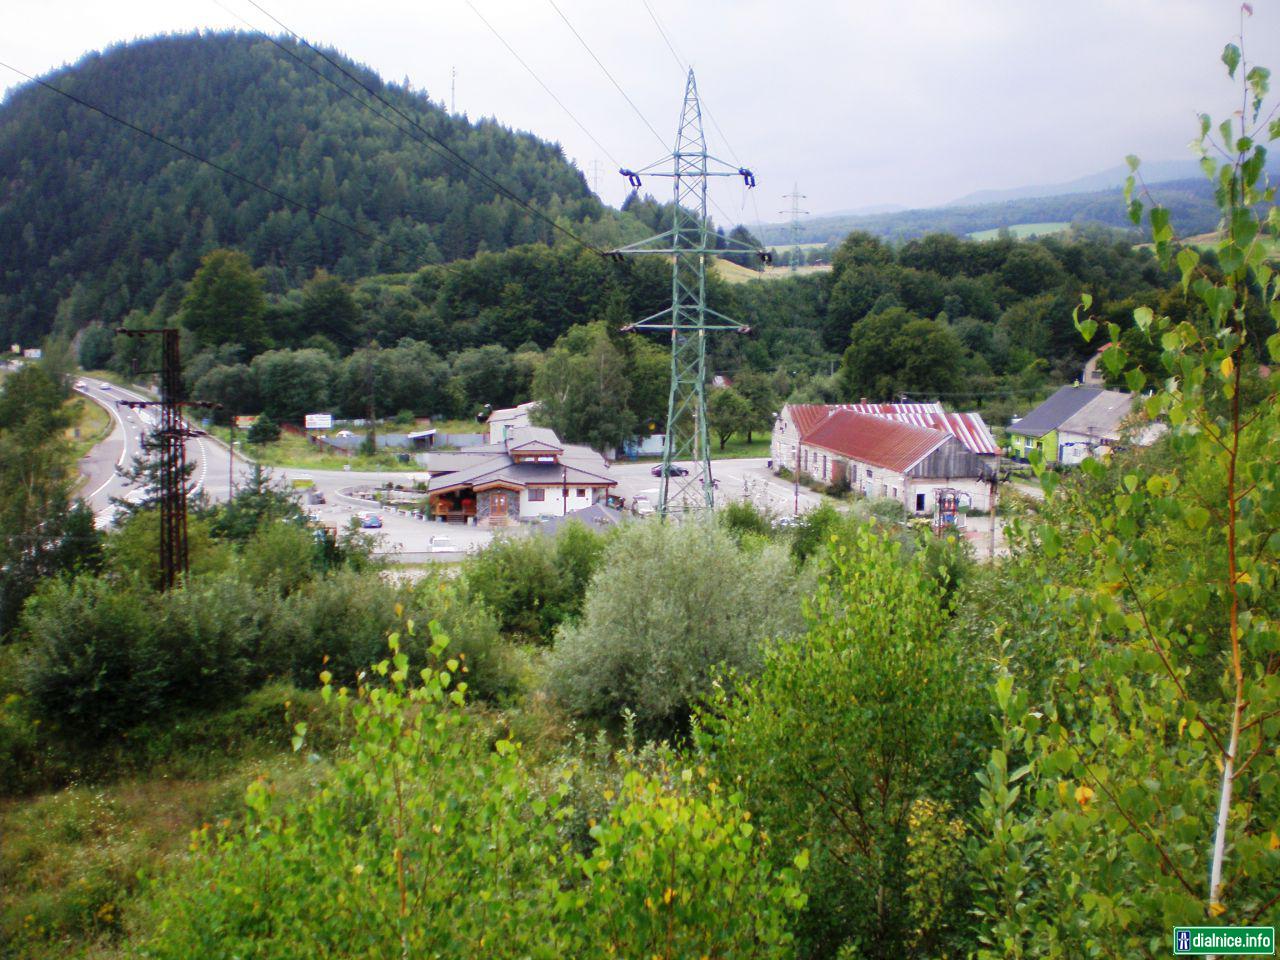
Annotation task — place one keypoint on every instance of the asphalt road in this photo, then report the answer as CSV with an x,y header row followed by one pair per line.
x,y
401,536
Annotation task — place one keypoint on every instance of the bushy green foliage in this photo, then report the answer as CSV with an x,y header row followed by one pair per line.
x,y
1137,789
645,645
102,657
533,584
264,430
427,840
741,518
879,674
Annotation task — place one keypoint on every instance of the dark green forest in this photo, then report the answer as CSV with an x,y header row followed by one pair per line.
x,y
96,220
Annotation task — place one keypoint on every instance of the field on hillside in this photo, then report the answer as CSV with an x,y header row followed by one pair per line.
x,y
733,273
1023,230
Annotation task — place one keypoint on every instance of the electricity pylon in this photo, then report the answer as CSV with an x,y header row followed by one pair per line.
x,y
795,196
687,245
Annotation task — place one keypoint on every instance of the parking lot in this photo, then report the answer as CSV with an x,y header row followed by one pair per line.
x,y
749,480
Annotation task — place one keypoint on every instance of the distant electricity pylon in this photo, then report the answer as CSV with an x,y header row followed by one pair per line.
x,y
795,196
688,245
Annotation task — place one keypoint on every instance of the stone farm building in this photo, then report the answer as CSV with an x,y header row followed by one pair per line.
x,y
904,452
527,475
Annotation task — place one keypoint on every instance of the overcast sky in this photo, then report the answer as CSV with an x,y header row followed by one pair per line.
x,y
860,103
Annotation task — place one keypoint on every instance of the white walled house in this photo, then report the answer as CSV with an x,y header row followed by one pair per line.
x,y
529,476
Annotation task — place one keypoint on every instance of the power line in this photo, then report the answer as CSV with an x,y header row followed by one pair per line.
x,y
684,67
601,65
728,218
485,177
550,93
220,168
665,39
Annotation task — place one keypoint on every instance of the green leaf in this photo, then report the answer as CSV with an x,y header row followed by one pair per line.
x,y
1231,57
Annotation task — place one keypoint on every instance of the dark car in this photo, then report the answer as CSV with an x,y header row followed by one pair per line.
x,y
371,522
674,471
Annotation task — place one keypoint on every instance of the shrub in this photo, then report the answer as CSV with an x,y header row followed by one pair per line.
x,y
668,604
535,583
426,841
281,556
101,658
264,430
740,518
878,676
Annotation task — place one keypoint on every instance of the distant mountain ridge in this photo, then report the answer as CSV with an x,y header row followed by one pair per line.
x,y
1109,179
96,220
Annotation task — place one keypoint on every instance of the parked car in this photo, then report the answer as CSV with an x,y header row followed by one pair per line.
x,y
785,523
675,471
442,545
371,522
315,497
641,507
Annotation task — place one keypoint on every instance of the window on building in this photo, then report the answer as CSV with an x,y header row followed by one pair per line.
x,y
853,473
536,494
895,493
824,466
919,503
582,491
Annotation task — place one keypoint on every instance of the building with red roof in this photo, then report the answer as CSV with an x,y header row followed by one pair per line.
x,y
885,450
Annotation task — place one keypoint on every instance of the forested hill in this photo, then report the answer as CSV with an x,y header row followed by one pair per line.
x,y
96,219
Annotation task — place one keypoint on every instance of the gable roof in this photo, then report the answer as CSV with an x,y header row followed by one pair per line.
x,y
876,440
1100,417
969,428
532,439
1051,414
807,416
502,469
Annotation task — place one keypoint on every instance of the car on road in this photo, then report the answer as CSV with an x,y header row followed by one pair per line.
x,y
442,545
675,471
371,521
641,507
81,385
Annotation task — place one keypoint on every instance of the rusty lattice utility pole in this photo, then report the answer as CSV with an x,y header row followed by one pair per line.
x,y
172,435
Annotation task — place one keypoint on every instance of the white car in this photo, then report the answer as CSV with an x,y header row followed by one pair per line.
x,y
442,545
81,385
641,507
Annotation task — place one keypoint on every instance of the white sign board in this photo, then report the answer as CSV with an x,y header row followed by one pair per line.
x,y
319,421
33,353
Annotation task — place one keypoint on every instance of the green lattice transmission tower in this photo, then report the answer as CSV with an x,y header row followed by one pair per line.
x,y
795,196
688,245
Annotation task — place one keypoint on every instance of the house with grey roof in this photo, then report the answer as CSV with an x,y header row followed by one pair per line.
x,y
1071,424
528,476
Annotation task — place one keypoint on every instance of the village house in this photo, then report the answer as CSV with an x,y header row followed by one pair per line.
x,y
509,418
1076,422
527,476
884,453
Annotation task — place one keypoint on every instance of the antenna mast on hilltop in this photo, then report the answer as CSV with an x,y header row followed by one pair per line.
x,y
795,196
688,245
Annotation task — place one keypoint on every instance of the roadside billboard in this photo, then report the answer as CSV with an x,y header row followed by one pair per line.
x,y
244,423
319,421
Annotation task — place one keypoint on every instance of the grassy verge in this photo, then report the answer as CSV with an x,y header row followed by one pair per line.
x,y
74,859
735,449
90,426
297,453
